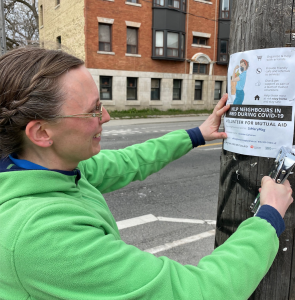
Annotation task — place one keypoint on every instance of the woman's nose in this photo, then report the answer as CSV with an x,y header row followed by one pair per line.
x,y
105,116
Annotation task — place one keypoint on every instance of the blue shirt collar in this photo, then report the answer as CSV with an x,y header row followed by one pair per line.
x,y
25,164
12,163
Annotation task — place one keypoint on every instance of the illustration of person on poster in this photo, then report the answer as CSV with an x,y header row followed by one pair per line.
x,y
239,77
262,97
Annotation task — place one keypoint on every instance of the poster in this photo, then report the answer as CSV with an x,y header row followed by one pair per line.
x,y
261,91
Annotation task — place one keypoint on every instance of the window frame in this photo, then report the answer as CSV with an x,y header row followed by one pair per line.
x,y
224,12
41,16
178,44
58,42
163,48
157,4
136,30
159,88
130,87
198,38
198,72
165,56
101,87
220,89
182,43
180,89
201,89
110,43
223,54
181,3
172,6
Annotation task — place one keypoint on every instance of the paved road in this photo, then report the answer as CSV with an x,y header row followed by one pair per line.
x,y
173,212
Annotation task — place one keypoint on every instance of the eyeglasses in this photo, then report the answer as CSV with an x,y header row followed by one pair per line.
x,y
87,115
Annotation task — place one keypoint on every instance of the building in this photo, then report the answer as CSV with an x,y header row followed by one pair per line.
x,y
161,54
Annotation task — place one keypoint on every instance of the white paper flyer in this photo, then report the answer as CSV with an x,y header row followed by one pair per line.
x,y
261,91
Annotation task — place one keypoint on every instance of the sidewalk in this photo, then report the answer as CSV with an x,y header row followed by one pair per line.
x,y
162,119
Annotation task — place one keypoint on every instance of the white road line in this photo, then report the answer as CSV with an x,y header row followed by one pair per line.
x,y
184,241
176,220
210,222
151,218
136,221
219,148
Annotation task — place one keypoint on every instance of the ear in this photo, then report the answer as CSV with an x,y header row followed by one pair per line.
x,y
38,135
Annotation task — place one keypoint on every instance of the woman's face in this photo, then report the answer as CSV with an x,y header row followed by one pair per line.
x,y
77,139
243,66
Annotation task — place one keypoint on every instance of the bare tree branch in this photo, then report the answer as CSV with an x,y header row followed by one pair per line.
x,y
22,22
33,8
12,41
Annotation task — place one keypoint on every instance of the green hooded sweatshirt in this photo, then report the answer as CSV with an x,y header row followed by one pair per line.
x,y
59,239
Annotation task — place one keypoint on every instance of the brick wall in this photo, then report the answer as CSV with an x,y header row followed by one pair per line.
x,y
121,12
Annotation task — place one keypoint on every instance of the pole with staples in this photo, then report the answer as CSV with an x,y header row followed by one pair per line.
x,y
2,30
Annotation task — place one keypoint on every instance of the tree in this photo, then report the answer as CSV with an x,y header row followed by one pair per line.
x,y
21,22
257,24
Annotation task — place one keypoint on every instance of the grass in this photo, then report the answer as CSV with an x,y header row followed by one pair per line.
x,y
145,113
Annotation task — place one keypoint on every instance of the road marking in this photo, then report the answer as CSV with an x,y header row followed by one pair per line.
x,y
219,148
136,221
184,241
210,145
181,220
151,218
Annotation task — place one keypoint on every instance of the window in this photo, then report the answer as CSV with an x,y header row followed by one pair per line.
x,y
217,90
174,3
168,45
57,2
131,40
58,41
105,88
200,69
177,89
198,89
183,5
159,2
225,9
132,1
41,15
155,89
105,38
199,40
182,45
131,88
159,43
223,51
172,44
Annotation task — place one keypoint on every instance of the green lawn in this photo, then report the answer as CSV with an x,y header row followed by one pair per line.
x,y
145,113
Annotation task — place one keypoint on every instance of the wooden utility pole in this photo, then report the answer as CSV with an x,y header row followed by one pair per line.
x,y
2,30
257,24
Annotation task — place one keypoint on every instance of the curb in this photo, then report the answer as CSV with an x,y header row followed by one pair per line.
x,y
160,116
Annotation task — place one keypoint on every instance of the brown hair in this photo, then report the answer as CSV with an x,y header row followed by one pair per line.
x,y
245,62
29,90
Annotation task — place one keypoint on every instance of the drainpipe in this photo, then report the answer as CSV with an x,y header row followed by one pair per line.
x,y
187,16
216,19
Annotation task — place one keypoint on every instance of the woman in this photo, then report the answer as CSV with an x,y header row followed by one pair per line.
x,y
239,76
58,238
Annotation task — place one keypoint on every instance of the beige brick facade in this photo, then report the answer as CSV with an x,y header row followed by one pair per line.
x,y
65,20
